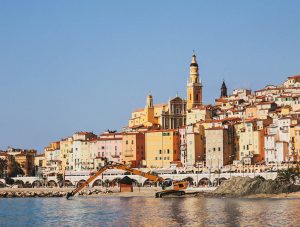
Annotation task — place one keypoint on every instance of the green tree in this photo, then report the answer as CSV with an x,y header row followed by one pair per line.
x,y
14,167
3,167
289,175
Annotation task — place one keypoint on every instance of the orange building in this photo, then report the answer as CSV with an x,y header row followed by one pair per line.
x,y
251,112
162,147
133,147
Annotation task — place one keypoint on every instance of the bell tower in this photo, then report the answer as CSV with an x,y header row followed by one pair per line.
x,y
194,86
223,90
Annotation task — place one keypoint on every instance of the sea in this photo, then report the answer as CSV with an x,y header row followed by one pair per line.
x,y
149,211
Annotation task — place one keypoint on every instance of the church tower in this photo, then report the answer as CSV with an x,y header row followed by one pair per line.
x,y
149,109
194,86
223,90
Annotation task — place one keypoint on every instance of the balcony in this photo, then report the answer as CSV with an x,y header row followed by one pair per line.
x,y
128,155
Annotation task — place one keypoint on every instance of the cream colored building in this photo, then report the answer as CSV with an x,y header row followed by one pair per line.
x,y
219,147
200,113
194,144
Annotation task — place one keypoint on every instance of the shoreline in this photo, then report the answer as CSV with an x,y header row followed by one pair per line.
x,y
137,192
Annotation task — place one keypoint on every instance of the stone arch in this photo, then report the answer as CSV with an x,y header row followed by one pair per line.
x,y
68,183
97,183
27,185
51,184
218,181
204,182
20,183
79,183
37,184
148,183
2,185
189,180
222,179
115,182
135,182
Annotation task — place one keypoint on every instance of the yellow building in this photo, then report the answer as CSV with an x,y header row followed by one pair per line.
x,y
161,148
66,147
148,116
286,110
295,142
170,115
40,161
194,86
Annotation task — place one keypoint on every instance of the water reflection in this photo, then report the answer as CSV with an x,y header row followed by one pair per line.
x,y
148,211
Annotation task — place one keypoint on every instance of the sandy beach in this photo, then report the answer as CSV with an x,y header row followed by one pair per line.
x,y
137,192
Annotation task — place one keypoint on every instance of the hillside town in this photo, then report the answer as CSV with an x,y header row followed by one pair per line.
x,y
245,129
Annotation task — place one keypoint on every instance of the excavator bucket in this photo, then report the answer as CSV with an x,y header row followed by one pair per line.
x,y
69,194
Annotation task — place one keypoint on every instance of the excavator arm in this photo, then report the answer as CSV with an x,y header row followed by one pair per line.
x,y
112,165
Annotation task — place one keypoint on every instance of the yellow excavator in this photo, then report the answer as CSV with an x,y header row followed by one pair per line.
x,y
169,186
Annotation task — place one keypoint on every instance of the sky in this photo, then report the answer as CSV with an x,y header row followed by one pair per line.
x,y
68,66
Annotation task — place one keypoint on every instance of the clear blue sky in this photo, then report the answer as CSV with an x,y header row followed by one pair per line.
x,y
69,66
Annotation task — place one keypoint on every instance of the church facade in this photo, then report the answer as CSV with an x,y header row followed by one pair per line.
x,y
170,115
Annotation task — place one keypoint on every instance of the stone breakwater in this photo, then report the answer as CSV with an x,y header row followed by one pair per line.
x,y
48,193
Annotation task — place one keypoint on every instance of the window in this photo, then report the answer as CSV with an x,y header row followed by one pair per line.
x,y
219,148
159,151
132,142
214,149
126,141
168,151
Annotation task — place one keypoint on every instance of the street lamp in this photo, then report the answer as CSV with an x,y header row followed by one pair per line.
x,y
243,166
210,171
230,156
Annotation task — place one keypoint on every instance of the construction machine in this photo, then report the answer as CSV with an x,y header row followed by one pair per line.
x,y
169,186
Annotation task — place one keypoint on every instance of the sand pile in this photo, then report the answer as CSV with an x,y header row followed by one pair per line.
x,y
242,186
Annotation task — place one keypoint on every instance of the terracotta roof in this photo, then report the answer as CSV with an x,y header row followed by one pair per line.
x,y
294,77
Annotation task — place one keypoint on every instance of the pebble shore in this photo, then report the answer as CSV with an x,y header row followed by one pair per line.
x,y
48,193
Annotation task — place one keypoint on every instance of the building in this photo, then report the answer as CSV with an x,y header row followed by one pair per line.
x,y
183,146
111,145
161,148
251,141
133,148
25,158
66,147
170,115
195,144
219,147
199,113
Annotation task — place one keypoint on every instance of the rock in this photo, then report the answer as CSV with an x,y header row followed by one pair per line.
x,y
242,186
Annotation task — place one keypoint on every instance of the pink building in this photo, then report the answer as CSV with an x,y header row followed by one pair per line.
x,y
183,146
109,145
